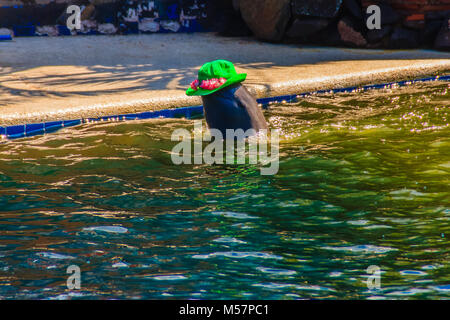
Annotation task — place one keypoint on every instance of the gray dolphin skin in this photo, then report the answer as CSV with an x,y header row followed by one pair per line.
x,y
233,108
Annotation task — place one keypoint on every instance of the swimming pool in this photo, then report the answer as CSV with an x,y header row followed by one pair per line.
x,y
363,180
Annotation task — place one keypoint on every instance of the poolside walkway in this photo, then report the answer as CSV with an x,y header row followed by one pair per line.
x,y
61,78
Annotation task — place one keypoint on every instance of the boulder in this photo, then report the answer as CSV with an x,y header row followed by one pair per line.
x,y
328,36
429,33
376,35
442,41
349,33
235,4
316,8
437,15
266,18
304,27
403,38
388,15
222,17
415,21
87,12
353,7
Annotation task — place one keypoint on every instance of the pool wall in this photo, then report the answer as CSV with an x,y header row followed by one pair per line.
x,y
33,129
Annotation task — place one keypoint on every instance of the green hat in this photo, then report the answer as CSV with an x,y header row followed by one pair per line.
x,y
213,76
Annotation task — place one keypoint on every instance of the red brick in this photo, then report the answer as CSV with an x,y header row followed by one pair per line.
x,y
415,17
412,7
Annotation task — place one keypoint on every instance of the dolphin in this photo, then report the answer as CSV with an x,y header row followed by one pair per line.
x,y
233,107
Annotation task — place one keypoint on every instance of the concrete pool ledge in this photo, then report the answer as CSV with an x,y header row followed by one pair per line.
x,y
63,78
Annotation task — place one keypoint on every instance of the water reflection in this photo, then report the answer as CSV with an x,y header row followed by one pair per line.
x,y
363,181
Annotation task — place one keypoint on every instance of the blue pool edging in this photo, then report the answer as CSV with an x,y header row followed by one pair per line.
x,y
5,37
33,129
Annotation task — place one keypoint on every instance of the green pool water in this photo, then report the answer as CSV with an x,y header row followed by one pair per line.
x,y
363,180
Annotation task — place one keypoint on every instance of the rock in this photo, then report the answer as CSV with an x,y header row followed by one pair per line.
x,y
415,21
87,12
442,41
429,33
221,17
403,38
437,15
236,5
316,8
266,18
353,7
234,26
304,27
349,34
388,15
328,36
376,35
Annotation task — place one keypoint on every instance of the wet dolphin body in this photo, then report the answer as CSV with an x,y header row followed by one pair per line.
x,y
233,108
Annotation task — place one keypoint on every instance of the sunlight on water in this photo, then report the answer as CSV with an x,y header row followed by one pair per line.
x,y
364,180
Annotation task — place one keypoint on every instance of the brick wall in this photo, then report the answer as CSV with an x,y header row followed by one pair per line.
x,y
414,6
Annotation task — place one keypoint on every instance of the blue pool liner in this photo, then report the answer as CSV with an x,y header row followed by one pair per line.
x,y
33,129
24,31
63,30
5,37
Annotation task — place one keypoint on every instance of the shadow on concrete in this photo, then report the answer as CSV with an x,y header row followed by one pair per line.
x,y
105,65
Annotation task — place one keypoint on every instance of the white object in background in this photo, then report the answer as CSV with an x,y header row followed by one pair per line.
x,y
107,28
6,32
148,25
50,31
170,25
88,25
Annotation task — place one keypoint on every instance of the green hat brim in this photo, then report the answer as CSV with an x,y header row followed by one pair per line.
x,y
202,92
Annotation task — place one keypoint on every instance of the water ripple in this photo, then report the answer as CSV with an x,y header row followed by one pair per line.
x,y
237,255
363,181
362,249
108,229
